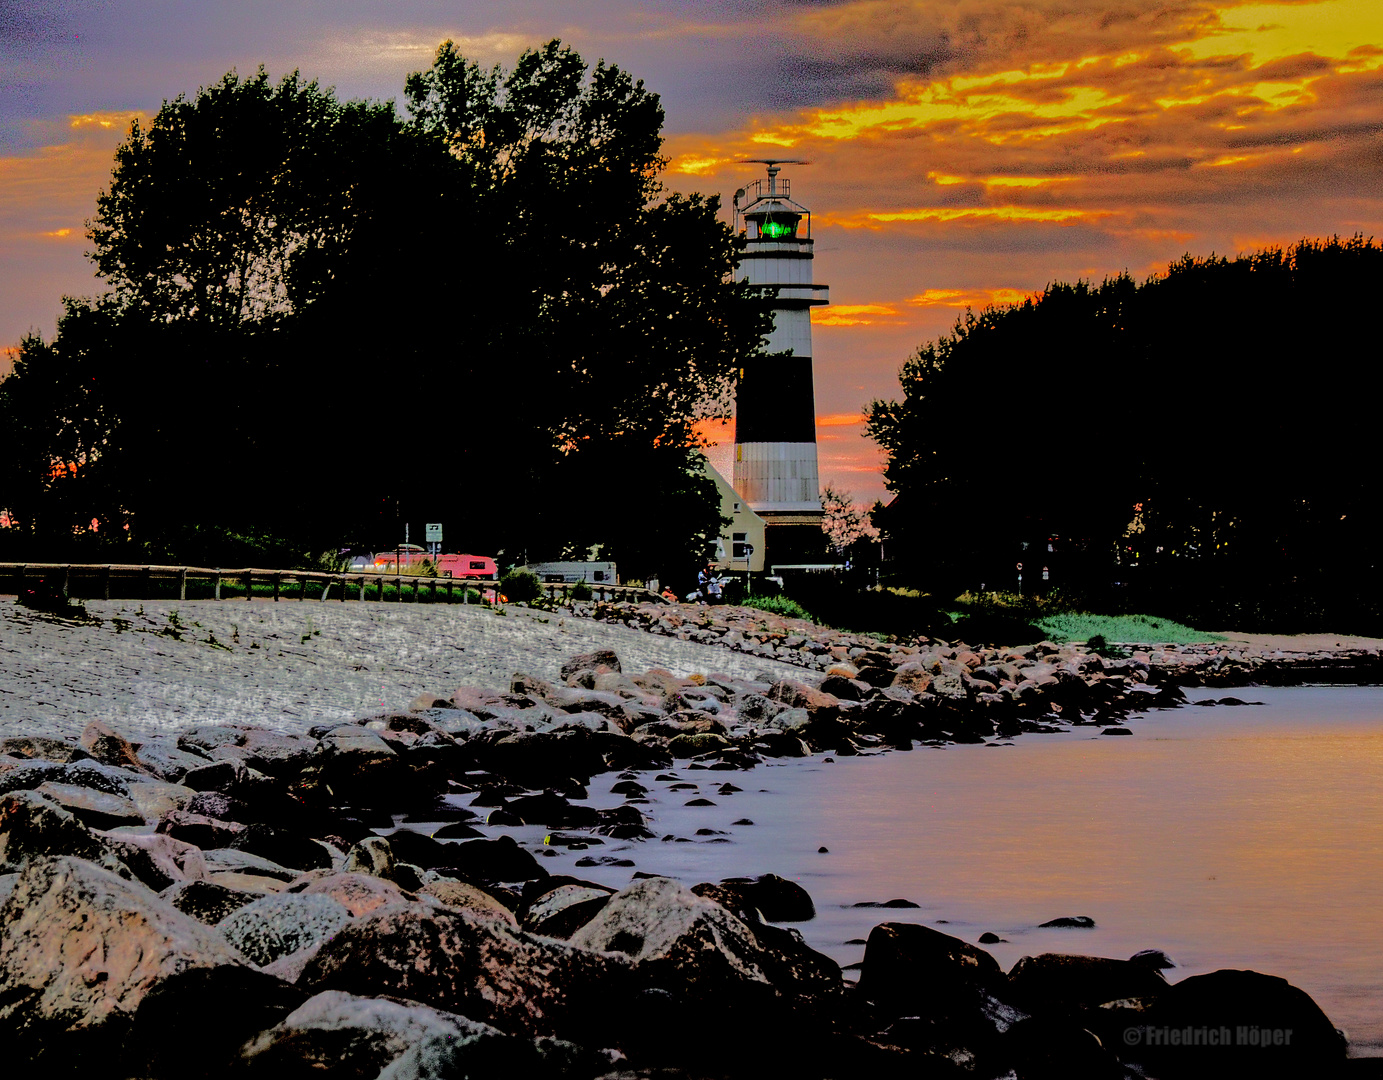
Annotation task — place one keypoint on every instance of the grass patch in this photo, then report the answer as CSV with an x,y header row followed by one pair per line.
x,y
777,605
1149,629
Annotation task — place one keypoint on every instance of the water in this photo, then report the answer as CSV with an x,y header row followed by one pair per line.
x,y
1228,837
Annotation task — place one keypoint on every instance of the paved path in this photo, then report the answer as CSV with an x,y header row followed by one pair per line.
x,y
167,665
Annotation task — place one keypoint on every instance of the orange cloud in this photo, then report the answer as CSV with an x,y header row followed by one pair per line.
x,y
852,314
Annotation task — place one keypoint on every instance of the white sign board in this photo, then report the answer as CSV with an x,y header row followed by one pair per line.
x,y
434,532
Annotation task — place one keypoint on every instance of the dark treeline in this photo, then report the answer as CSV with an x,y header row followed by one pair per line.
x,y
1201,446
327,318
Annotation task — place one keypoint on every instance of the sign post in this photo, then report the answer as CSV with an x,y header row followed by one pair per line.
x,y
433,530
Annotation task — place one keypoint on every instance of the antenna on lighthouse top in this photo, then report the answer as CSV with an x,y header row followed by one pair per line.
x,y
775,166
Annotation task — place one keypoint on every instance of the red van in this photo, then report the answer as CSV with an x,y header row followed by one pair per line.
x,y
467,566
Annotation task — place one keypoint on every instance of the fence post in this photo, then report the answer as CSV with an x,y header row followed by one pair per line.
x,y
105,583
218,583
362,589
302,587
343,588
19,579
182,584
278,578
66,580
249,585
379,581
148,583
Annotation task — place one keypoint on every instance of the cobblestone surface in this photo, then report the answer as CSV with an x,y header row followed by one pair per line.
x,y
167,665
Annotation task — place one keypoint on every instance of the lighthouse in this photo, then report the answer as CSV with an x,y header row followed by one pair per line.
x,y
775,406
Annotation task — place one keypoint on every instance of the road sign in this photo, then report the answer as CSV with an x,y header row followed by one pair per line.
x,y
434,532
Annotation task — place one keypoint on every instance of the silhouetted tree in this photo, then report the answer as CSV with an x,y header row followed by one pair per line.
x,y
1199,439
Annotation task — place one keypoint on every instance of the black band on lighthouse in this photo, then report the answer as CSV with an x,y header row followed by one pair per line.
x,y
774,401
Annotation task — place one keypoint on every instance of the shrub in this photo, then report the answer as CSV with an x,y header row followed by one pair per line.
x,y
521,586
778,605
580,591
46,596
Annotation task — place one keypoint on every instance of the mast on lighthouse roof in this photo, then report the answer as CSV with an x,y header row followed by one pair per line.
x,y
775,406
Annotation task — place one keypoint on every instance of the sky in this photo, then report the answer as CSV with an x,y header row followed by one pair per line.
x,y
962,152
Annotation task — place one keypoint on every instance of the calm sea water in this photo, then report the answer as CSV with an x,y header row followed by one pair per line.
x,y
1228,837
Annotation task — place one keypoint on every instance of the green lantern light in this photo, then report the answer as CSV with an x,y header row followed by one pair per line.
x,y
774,229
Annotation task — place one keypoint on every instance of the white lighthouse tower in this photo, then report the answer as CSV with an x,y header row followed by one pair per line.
x,y
775,405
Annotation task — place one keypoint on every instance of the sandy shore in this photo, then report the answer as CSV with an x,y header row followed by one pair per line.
x,y
167,665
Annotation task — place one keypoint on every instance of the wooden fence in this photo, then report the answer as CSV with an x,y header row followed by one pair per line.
x,y
129,582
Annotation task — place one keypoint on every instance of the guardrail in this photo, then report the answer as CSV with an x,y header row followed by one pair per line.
x,y
127,581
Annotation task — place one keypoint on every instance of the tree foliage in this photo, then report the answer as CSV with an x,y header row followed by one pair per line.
x,y
1197,439
325,319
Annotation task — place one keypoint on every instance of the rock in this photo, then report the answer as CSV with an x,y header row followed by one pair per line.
x,y
688,746
361,894
96,809
80,949
599,661
1076,922
1152,958
198,829
233,860
156,860
215,776
776,899
38,747
191,1025
1059,983
108,748
373,856
682,943
465,897
32,826
167,761
1260,1011
156,798
206,901
564,910
478,967
283,847
500,859
335,1034
274,926
913,970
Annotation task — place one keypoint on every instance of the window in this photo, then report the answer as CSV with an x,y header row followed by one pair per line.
x,y
477,565
739,547
600,575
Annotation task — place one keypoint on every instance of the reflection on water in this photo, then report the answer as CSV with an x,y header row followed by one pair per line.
x,y
1228,837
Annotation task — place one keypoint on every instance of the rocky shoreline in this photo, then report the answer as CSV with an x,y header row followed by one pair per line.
x,y
229,900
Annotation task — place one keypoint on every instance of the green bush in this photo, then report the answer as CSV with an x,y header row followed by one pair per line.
x,y
521,586
580,591
778,605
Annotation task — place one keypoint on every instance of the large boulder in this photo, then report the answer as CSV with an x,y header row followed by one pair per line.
x,y
679,942
912,970
190,1026
472,965
599,662
466,897
206,901
336,1035
32,826
96,809
359,893
80,948
564,910
1055,982
109,748
274,926
1265,1027
776,899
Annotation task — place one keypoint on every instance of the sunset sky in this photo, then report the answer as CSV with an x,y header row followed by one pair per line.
x,y
963,151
